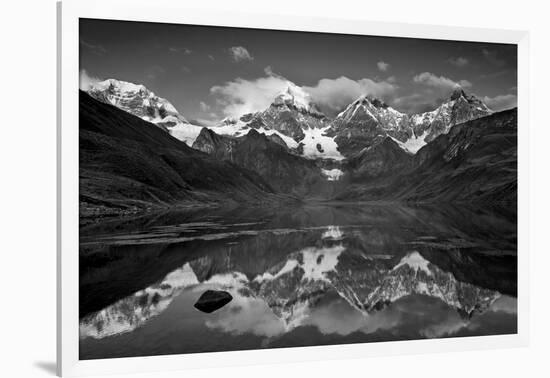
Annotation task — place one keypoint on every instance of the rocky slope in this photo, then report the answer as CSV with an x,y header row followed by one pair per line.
x,y
383,158
268,156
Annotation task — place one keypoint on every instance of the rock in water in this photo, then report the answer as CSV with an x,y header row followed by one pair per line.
x,y
212,300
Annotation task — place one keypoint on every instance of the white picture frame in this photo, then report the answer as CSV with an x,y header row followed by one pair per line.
x,y
166,11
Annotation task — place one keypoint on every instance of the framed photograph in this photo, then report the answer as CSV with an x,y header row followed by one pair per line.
x,y
241,189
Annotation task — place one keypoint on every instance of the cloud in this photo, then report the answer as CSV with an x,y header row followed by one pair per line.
x,y
240,96
185,69
383,66
501,102
439,82
211,57
428,94
334,94
183,50
492,57
459,61
214,121
240,54
269,71
94,48
204,106
86,81
417,102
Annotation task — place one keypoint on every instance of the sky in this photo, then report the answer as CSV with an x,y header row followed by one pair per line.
x,y
209,73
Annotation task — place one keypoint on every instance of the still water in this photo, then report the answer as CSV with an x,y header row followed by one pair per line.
x,y
311,275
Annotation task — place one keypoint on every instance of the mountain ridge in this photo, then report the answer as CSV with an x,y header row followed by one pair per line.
x,y
296,119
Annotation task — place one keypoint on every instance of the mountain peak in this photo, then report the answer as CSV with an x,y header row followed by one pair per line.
x,y
295,96
136,99
457,93
122,86
368,99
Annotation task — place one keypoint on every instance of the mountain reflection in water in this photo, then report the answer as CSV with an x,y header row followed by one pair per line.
x,y
314,275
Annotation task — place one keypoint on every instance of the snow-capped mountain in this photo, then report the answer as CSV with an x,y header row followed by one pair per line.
x,y
458,108
368,109
136,99
295,118
367,121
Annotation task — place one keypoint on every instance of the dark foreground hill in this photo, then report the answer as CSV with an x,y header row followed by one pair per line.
x,y
128,164
269,157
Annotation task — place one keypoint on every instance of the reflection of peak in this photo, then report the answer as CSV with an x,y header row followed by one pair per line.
x,y
415,261
294,287
133,311
416,275
333,233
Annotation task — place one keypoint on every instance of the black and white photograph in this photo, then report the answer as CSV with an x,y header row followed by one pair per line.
x,y
244,189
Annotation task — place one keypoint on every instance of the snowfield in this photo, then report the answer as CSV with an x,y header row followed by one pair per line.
x,y
328,145
332,174
185,132
413,144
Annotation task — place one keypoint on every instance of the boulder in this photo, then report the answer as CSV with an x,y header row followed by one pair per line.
x,y
212,300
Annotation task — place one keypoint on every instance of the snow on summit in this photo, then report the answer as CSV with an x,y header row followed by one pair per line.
x,y
295,96
136,99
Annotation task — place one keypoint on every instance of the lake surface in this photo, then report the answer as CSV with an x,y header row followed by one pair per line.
x,y
310,275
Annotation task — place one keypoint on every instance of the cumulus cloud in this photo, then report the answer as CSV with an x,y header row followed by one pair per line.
x,y
383,66
459,61
86,81
242,96
417,102
428,94
240,54
334,94
439,82
501,102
